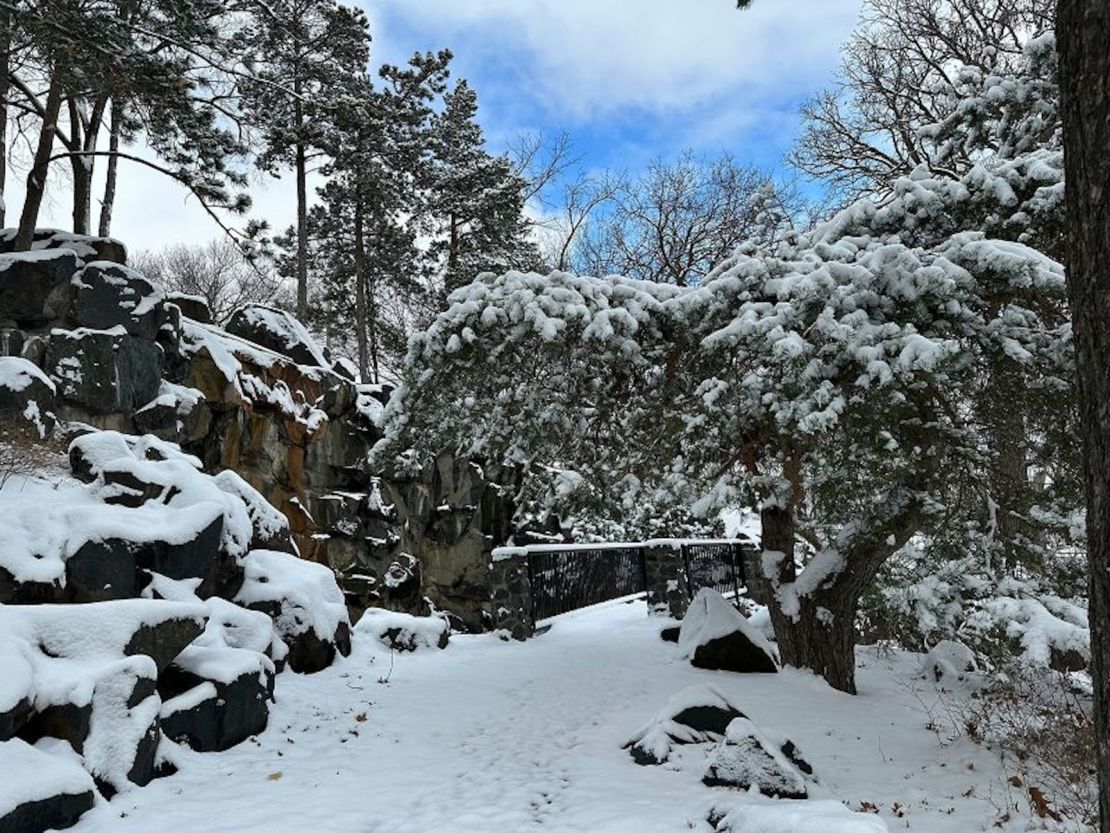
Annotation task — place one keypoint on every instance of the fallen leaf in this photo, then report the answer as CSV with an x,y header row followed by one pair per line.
x,y
274,776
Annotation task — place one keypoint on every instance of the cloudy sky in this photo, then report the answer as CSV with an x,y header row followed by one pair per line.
x,y
628,79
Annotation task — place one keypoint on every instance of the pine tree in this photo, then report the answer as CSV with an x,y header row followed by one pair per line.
x,y
299,52
476,199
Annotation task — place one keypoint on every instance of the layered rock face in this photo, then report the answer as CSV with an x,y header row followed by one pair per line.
x,y
107,349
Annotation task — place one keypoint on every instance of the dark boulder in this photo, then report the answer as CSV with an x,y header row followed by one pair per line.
x,y
212,716
279,331
26,395
699,714
41,791
33,285
107,295
103,372
716,636
749,758
191,306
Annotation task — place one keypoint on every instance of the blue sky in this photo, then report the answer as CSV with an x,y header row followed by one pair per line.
x,y
632,79
629,80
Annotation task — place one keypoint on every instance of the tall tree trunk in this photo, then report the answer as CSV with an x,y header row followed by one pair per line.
x,y
361,318
36,178
821,634
302,203
5,85
84,166
1003,414
1083,32
81,168
109,201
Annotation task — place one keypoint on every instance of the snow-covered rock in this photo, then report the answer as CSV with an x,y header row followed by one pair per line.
x,y
750,758
44,787
107,295
746,816
949,661
402,631
716,636
89,673
27,392
33,285
217,691
278,331
305,603
698,714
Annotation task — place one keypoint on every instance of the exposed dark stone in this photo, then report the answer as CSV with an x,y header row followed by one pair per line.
x,y
107,295
29,397
55,813
28,592
14,719
670,634
232,713
104,372
257,323
713,719
30,286
164,640
102,570
191,306
719,638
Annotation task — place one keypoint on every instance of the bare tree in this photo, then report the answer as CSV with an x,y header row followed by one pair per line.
x,y
898,74
676,222
215,271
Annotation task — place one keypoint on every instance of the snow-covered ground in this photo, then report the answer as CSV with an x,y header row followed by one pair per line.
x,y
494,736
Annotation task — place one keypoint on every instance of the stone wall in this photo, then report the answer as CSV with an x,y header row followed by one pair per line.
x,y
264,401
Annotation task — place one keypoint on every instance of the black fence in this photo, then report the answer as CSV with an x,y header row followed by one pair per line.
x,y
567,579
719,565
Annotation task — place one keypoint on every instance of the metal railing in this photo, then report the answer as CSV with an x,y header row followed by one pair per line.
x,y
566,577
565,580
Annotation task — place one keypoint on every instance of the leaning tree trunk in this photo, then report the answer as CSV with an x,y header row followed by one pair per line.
x,y
1083,32
821,634
36,178
112,173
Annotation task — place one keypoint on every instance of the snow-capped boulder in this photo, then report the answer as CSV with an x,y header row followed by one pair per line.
x,y
279,331
107,295
698,714
747,816
949,661
402,631
750,758
305,603
716,636
104,372
86,247
26,392
33,285
90,673
191,306
217,691
178,414
44,787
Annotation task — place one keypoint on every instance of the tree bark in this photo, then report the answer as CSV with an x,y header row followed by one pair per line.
x,y
36,178
5,85
821,635
361,321
84,166
301,164
109,201
1083,32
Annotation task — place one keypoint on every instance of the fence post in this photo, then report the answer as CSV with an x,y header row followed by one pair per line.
x,y
665,569
511,595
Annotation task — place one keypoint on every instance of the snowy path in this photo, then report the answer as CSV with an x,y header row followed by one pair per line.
x,y
490,736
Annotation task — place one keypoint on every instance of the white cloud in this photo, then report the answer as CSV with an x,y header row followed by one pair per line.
x,y
590,58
